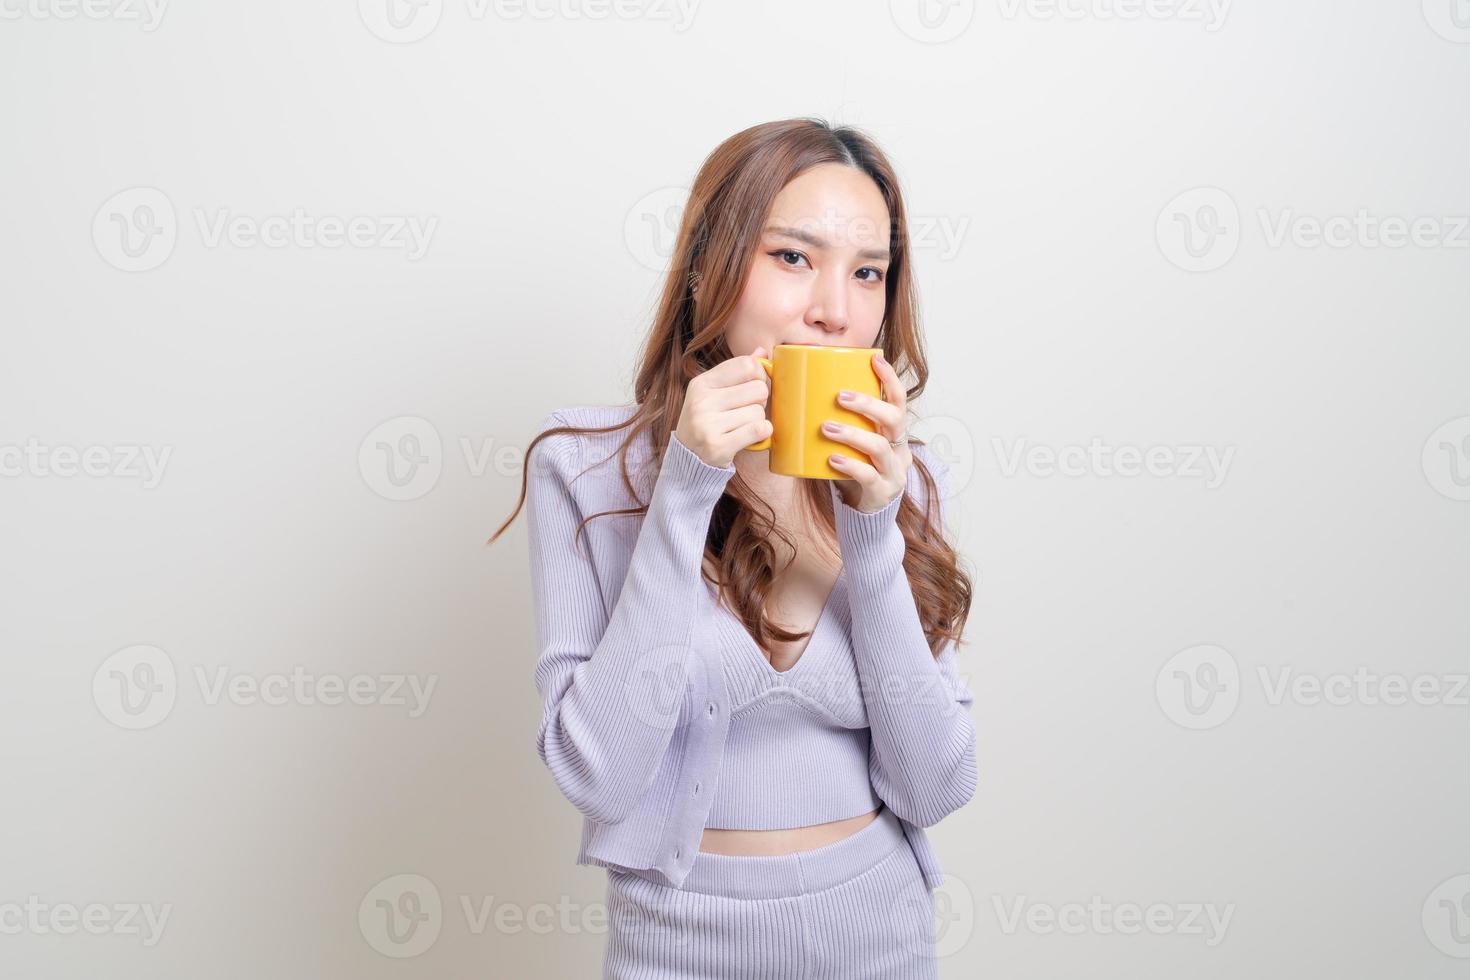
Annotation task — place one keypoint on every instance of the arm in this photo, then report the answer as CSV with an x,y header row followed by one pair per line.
x,y
923,758
612,686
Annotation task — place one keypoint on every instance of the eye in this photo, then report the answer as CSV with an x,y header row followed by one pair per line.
x,y
781,252
878,275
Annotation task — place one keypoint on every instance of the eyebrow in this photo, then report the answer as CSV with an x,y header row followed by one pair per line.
x,y
815,242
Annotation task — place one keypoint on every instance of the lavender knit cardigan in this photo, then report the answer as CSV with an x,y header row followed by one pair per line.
x,y
635,677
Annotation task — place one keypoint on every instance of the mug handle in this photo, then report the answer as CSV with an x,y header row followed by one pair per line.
x,y
770,370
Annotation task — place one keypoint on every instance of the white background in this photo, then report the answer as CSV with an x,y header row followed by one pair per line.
x,y
546,155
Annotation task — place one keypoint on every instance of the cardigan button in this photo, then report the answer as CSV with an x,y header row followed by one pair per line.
x,y
678,853
711,709
696,787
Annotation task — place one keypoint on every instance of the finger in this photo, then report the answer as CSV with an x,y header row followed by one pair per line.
x,y
880,411
738,417
752,432
893,389
862,472
737,396
736,370
874,445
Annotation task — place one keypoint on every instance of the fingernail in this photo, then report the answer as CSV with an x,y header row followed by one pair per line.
x,y
831,427
882,358
844,396
837,458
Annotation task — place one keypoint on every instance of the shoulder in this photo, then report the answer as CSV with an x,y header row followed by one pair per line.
x,y
577,454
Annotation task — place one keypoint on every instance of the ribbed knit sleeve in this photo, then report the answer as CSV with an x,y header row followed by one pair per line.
x,y
612,684
923,740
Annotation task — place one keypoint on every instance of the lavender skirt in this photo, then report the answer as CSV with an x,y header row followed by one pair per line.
x,y
857,909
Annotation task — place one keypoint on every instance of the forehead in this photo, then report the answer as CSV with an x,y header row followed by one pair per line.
x,y
839,204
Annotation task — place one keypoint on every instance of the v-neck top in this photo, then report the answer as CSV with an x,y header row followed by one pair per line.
x,y
660,715
797,747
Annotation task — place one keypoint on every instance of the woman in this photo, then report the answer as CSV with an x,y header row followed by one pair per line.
x,y
749,680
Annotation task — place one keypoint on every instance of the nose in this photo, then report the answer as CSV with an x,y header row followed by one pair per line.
x,y
827,307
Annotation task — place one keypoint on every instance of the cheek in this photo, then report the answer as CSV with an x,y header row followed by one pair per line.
x,y
867,317
771,296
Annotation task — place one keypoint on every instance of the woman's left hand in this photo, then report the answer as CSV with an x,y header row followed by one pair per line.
x,y
875,485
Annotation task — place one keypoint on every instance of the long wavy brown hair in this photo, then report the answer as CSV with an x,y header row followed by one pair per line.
x,y
718,238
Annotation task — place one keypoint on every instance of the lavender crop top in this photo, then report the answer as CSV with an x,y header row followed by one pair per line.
x,y
661,716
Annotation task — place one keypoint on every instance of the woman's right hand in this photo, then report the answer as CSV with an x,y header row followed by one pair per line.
x,y
725,409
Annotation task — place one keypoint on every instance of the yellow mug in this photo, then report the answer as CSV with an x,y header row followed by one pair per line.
x,y
805,380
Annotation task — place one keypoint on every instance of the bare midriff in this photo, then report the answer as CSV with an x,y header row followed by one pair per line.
x,y
788,840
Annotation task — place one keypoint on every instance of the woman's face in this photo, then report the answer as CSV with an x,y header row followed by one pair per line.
x,y
819,273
